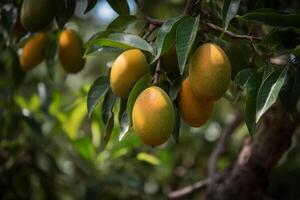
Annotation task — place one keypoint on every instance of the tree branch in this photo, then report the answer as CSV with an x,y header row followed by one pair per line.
x,y
189,189
231,34
157,72
249,173
223,141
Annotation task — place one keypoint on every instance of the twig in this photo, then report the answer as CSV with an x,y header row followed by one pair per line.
x,y
157,72
231,34
222,143
189,189
149,31
153,21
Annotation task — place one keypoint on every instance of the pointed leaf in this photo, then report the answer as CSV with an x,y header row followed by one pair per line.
x,y
125,41
91,4
252,88
65,10
185,37
269,91
108,131
166,36
136,90
121,22
242,77
119,6
175,88
108,103
97,90
124,125
230,9
273,18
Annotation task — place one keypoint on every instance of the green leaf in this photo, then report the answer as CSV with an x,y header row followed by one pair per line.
x,y
108,131
108,103
166,35
252,88
136,90
230,9
96,36
65,10
121,22
90,5
124,125
175,88
125,41
242,77
119,6
273,18
281,39
97,90
269,91
50,55
176,129
123,106
185,37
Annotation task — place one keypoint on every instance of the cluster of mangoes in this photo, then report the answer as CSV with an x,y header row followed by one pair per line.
x,y
70,51
153,114
35,16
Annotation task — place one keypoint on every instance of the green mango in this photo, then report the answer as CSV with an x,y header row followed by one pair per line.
x,y
37,14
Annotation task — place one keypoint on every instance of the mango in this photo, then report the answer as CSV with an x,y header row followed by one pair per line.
x,y
193,111
71,51
127,69
37,14
153,116
209,72
34,51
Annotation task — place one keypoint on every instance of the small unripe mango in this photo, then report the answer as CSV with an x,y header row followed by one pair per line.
x,y
127,69
153,116
34,51
209,72
193,111
71,51
37,14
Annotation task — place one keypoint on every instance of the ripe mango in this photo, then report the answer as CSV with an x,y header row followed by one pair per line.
x,y
193,111
34,51
71,51
153,116
127,69
169,62
209,72
37,14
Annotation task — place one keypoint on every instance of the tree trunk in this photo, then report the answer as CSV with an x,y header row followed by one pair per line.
x,y
248,176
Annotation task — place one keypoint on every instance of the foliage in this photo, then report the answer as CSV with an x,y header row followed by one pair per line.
x,y
69,137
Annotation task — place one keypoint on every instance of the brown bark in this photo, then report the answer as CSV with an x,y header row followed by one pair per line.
x,y
248,176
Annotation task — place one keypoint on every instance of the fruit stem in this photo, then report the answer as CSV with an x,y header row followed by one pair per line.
x,y
157,72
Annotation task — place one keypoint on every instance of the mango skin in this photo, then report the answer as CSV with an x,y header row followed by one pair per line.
x,y
71,51
37,14
209,72
169,61
153,116
34,51
193,111
127,69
